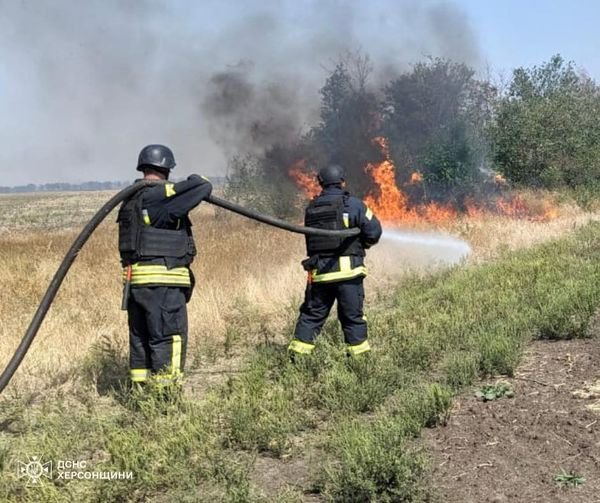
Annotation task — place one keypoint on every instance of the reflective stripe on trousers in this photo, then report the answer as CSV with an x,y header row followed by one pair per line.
x,y
346,271
139,375
318,301
358,349
171,374
301,347
157,332
306,349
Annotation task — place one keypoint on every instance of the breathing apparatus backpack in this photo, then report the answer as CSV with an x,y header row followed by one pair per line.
x,y
331,214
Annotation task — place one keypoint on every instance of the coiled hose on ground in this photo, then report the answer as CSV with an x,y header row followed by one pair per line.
x,y
87,231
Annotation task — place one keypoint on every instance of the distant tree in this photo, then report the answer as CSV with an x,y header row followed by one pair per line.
x,y
547,128
262,183
25,188
348,122
350,119
434,118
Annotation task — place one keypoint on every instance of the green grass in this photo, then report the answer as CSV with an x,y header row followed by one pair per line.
x,y
569,479
360,417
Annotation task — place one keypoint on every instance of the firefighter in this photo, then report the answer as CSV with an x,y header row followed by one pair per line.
x,y
157,247
335,265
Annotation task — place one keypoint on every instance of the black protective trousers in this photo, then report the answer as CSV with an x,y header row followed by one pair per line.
x,y
318,301
158,330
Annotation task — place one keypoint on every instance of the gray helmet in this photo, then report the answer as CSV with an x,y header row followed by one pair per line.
x,y
157,156
331,175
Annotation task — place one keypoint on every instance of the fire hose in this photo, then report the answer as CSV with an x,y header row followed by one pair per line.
x,y
91,226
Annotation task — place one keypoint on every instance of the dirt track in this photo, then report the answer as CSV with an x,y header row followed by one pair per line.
x,y
511,449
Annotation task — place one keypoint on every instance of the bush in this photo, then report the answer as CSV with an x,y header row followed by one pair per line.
x,y
547,132
374,462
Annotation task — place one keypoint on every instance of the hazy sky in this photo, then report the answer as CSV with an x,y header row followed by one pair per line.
x,y
85,85
513,33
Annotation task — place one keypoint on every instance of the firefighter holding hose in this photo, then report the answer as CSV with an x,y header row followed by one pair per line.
x,y
157,247
335,265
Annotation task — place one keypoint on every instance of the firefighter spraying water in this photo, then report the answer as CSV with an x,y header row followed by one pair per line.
x,y
157,247
335,265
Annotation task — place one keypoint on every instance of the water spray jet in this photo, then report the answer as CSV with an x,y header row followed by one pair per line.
x,y
447,248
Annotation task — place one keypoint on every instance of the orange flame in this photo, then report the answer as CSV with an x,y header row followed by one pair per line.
x,y
392,206
550,212
306,181
390,203
515,208
416,177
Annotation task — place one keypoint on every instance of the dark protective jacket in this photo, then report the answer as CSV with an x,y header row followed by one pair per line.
x,y
155,235
345,259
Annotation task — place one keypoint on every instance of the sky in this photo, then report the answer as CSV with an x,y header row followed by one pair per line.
x,y
513,33
85,85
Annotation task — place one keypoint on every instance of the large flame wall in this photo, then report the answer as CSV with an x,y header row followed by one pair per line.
x,y
391,204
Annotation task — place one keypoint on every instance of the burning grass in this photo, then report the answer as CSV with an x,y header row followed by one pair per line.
x,y
392,203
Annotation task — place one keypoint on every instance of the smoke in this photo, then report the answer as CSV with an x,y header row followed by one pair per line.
x,y
84,85
246,117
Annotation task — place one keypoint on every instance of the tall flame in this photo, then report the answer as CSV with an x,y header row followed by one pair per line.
x,y
390,203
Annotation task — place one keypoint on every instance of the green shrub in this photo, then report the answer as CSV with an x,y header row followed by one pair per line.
x,y
374,462
460,368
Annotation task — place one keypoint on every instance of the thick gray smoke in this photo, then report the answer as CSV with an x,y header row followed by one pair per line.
x,y
84,85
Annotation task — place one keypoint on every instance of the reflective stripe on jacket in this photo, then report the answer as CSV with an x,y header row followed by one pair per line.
x,y
339,269
155,274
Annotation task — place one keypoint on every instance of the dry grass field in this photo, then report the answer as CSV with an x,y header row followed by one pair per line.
x,y
251,426
249,281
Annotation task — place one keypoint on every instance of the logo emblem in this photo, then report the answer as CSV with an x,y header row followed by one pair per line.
x,y
35,469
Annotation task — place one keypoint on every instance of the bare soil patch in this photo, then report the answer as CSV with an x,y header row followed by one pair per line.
x,y
275,476
511,449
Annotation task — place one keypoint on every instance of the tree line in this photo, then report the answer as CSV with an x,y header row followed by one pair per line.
x,y
62,187
217,181
457,130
